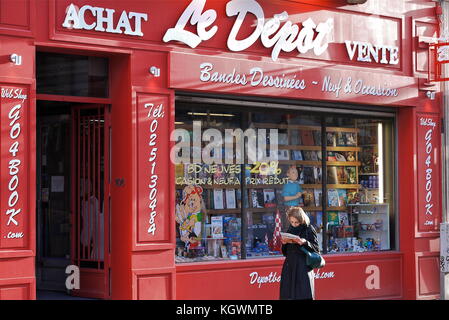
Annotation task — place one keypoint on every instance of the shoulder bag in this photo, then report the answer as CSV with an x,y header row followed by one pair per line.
x,y
313,260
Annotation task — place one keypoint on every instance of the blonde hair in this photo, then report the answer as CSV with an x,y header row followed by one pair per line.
x,y
299,214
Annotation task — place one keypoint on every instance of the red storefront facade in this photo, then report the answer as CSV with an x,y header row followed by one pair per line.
x,y
370,55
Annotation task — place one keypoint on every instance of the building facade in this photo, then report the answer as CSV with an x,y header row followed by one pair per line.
x,y
125,128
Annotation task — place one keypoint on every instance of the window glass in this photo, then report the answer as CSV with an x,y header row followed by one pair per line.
x,y
291,177
208,186
360,193
72,75
238,171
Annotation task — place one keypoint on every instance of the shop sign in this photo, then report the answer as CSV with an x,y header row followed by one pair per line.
x,y
258,77
99,18
367,52
152,128
440,54
273,277
287,38
428,173
249,77
13,176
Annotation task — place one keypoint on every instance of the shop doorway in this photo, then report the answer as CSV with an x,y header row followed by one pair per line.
x,y
73,198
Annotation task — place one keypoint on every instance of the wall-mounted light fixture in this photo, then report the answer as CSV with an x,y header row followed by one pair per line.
x,y
155,71
430,95
16,59
356,1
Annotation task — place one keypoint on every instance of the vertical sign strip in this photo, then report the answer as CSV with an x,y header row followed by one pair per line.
x,y
153,168
13,166
428,157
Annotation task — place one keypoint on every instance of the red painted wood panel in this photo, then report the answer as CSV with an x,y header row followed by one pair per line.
x,y
356,277
429,276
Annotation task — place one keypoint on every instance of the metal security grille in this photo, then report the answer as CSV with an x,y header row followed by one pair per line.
x,y
91,193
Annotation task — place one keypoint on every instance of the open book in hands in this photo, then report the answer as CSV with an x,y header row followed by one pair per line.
x,y
291,238
285,235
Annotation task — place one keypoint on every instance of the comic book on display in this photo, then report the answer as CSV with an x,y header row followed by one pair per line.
x,y
301,175
317,174
309,177
332,218
309,199
269,198
295,138
283,154
342,175
297,155
351,175
282,139
256,198
332,176
307,138
332,197
342,197
217,227
318,197
343,218
331,139
231,229
308,155
317,137
230,199
319,219
218,199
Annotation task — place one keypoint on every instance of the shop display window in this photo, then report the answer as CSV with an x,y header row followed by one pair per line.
x,y
237,173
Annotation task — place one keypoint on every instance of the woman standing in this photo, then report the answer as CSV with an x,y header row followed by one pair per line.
x,y
297,279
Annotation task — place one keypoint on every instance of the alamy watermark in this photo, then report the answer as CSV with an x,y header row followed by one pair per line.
x,y
235,146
